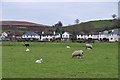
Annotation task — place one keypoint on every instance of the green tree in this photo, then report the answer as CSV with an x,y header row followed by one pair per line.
x,y
77,21
59,28
114,16
59,24
74,33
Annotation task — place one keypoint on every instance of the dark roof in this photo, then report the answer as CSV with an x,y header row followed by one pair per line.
x,y
19,23
50,34
82,33
115,32
31,33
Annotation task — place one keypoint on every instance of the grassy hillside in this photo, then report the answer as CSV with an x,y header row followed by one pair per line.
x,y
93,26
87,27
101,62
102,23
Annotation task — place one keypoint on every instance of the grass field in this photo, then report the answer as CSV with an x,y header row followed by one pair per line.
x,y
0,61
100,62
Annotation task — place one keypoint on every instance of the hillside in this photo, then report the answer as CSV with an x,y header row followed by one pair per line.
x,y
92,26
86,27
22,26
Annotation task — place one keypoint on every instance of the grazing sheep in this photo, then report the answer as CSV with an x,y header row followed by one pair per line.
x,y
39,61
89,46
27,45
68,47
27,50
78,53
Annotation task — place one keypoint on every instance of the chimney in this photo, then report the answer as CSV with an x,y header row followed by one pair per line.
x,y
42,32
54,32
112,30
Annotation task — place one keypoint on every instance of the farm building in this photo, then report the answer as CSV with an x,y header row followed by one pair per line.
x,y
111,36
66,36
30,36
114,36
49,36
10,36
87,36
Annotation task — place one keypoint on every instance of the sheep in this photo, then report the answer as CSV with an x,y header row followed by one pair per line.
x,y
27,50
78,53
68,47
27,45
89,46
39,61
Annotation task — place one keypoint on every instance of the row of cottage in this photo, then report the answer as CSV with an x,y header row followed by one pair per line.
x,y
111,36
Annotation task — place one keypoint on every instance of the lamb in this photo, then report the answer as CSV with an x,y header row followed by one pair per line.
x,y
39,61
68,47
78,53
89,46
27,50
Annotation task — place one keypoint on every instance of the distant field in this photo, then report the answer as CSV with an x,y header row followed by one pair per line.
x,y
101,62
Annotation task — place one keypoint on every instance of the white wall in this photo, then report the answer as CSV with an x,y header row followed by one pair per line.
x,y
114,37
87,36
111,37
65,35
30,36
50,37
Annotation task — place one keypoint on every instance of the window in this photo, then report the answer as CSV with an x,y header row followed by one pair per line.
x,y
111,38
119,39
66,35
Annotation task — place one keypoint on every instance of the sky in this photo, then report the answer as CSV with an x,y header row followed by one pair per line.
x,y
49,13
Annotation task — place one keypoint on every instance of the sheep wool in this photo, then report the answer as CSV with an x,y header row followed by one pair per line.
x,y
68,47
77,53
27,50
89,46
39,61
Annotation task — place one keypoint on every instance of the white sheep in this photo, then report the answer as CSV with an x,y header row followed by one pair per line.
x,y
68,47
39,61
78,53
27,50
89,46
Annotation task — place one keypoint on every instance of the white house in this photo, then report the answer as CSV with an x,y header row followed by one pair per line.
x,y
87,36
46,37
66,35
4,34
57,36
114,36
31,36
103,35
49,37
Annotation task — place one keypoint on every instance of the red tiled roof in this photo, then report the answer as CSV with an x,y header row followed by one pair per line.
x,y
25,23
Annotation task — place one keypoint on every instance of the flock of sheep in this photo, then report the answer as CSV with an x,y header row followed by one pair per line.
x,y
77,53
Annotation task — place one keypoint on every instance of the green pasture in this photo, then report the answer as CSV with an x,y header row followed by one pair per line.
x,y
100,62
0,61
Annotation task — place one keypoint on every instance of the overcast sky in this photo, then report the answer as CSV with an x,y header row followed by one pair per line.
x,y
50,13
